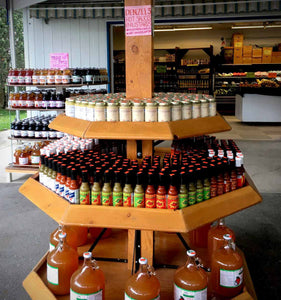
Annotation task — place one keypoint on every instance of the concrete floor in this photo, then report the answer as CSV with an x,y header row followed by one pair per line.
x,y
24,229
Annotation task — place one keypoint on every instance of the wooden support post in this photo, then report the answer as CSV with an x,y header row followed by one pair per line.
x,y
147,148
131,244
132,149
147,243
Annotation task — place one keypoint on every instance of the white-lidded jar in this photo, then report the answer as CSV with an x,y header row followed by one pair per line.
x,y
212,107
91,111
138,111
186,110
83,110
78,109
196,110
100,111
176,111
125,111
204,108
164,111
112,112
151,113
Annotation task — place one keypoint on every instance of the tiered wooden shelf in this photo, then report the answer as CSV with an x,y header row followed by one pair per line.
x,y
36,284
182,220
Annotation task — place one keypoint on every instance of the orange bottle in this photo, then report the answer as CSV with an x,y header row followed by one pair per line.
x,y
36,77
88,281
51,76
62,262
190,281
66,76
143,285
43,77
227,270
23,157
16,155
72,238
215,237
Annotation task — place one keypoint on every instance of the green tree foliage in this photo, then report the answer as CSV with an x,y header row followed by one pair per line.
x,y
5,58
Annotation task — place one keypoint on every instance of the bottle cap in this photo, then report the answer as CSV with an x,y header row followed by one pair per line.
x,y
143,261
191,253
62,235
227,237
87,255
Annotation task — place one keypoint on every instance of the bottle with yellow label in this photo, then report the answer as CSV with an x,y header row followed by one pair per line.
x,y
85,189
96,190
117,193
139,192
128,192
106,193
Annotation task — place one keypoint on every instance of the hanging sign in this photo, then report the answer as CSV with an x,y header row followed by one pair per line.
x,y
59,61
138,20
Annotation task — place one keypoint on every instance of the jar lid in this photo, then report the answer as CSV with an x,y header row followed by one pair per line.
x,y
100,103
195,101
203,101
151,103
163,103
125,103
176,102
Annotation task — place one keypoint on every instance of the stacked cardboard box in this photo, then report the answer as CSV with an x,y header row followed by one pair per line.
x,y
237,43
266,55
276,57
257,56
247,54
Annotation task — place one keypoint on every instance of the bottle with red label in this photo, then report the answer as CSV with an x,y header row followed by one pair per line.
x,y
88,281
190,281
227,270
240,172
21,77
143,285
28,77
173,197
161,192
62,262
150,193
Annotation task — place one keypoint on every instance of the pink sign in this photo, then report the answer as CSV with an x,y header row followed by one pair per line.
x,y
59,61
138,20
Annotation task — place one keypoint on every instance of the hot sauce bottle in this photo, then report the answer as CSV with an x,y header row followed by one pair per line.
x,y
183,192
117,192
106,193
62,180
85,189
173,197
199,186
128,192
96,190
161,193
58,177
74,197
191,188
150,193
214,186
139,192
67,183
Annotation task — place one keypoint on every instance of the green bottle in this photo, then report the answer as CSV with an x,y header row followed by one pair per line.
x,y
96,190
207,185
183,192
117,193
139,192
106,192
191,188
85,189
41,169
199,186
128,192
46,170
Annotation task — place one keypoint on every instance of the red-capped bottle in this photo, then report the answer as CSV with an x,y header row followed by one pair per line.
x,y
150,193
173,196
161,193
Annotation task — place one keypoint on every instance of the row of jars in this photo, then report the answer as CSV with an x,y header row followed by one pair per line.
x,y
159,109
56,76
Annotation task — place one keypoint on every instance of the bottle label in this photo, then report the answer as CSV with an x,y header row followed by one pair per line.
x,y
226,186
207,192
183,200
51,247
89,78
44,134
74,197
160,201
106,198
231,278
14,79
58,79
76,79
57,187
35,160
173,201
52,275
21,79
51,79
199,195
29,103
233,184
58,104
127,199
65,79
192,197
38,103
43,80
28,79
117,198
38,134
23,133
96,198
35,79
66,192
138,199
213,190
61,189
150,200
183,294
93,296
16,133
84,197
23,160
220,189
239,181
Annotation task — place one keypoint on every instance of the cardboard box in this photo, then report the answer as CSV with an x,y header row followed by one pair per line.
x,y
237,40
247,51
266,51
276,59
256,60
247,60
238,55
257,52
266,59
237,60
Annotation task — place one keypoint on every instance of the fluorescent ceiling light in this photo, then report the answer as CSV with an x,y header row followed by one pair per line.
x,y
273,26
248,27
184,29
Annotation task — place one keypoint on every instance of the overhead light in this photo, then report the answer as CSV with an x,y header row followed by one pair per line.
x,y
248,27
273,26
184,29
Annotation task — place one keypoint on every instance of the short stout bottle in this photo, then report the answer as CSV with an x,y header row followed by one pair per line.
x,y
62,262
143,285
190,281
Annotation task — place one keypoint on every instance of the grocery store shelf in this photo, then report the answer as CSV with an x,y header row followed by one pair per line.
x,y
57,85
31,139
21,169
182,220
37,109
170,252
140,130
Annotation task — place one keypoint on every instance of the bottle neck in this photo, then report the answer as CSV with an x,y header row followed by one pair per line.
x,y
190,263
87,262
221,222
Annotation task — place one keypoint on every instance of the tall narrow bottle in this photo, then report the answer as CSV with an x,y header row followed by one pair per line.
x,y
150,193
190,281
143,285
128,192
227,270
85,189
172,195
139,192
62,262
88,281
117,192
161,193
183,192
106,193
96,190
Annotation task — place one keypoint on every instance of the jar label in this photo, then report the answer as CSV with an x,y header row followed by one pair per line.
x,y
231,278
51,79
127,199
38,103
150,200
52,275
74,197
89,78
35,79
191,197
21,79
38,134
183,294
106,198
51,247
125,114
35,160
173,201
117,199
160,201
17,133
42,80
14,79
44,134
52,103
164,114
93,296
58,104
76,79
96,198
52,134
29,103
84,197
130,298
58,79
23,133
70,110
207,192
199,195
28,79
65,79
150,114
138,199
183,200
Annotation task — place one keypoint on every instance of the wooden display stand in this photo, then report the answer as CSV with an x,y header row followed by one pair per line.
x,y
139,82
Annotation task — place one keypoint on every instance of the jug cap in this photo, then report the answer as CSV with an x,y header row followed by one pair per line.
x,y
87,255
191,253
227,237
143,261
62,235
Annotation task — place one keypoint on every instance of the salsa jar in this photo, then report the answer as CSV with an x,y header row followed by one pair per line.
x,y
125,111
100,111
176,111
112,112
204,108
138,111
91,111
212,107
164,111
150,114
196,110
